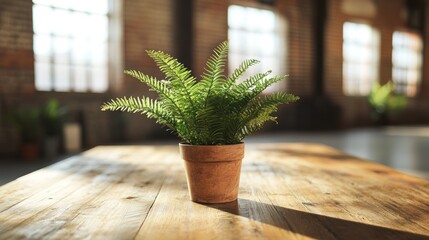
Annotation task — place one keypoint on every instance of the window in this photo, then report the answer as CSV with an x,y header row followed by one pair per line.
x,y
70,45
407,62
361,44
257,34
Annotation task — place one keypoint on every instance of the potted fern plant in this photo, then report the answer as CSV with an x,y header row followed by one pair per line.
x,y
211,116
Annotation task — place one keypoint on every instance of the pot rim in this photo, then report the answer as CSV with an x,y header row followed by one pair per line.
x,y
221,145
212,153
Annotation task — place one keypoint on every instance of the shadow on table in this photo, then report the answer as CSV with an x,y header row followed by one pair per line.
x,y
310,224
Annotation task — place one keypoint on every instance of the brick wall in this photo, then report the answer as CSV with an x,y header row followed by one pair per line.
x,y
147,25
210,29
16,63
299,17
16,48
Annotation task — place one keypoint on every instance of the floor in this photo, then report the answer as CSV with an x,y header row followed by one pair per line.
x,y
11,169
403,148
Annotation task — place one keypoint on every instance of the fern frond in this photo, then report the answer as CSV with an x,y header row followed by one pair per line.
x,y
259,110
250,83
162,89
255,89
238,72
152,108
265,105
264,84
213,75
178,76
211,126
154,84
247,130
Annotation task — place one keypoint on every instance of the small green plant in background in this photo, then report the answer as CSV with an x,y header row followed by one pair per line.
x,y
384,100
27,122
213,111
52,116
30,121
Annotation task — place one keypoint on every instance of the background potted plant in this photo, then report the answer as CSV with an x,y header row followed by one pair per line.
x,y
51,116
211,116
383,101
27,122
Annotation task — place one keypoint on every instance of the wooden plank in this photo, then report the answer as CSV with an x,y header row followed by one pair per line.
x,y
103,193
287,191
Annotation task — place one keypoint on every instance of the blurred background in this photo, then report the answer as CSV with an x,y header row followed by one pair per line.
x,y
361,68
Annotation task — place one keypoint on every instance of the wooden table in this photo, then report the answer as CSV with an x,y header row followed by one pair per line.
x,y
287,191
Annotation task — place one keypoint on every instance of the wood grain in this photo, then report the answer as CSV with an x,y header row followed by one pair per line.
x,y
287,191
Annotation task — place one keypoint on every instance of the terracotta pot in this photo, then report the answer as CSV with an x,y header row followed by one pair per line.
x,y
213,171
29,151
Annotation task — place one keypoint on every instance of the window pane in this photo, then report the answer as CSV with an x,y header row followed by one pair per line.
x,y
79,28
61,50
236,17
98,28
42,19
99,55
80,80
42,48
253,43
63,19
43,74
61,78
252,19
80,52
267,21
98,84
269,41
